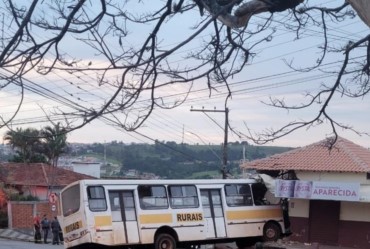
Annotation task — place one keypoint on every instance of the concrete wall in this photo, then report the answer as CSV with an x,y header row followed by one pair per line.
x,y
299,217
354,234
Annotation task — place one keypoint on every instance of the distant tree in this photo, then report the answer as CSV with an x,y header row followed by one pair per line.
x,y
54,140
97,148
34,146
54,144
26,143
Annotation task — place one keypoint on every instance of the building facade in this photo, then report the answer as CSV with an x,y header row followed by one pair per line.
x,y
38,180
331,202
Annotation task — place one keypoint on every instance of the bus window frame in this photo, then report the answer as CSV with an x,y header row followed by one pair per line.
x,y
247,199
145,206
90,198
65,195
171,198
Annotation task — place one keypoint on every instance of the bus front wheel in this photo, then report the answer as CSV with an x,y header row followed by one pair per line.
x,y
271,232
165,241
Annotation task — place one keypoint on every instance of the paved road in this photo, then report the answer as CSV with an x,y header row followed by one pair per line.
x,y
17,244
24,240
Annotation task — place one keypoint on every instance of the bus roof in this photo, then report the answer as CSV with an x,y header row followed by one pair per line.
x,y
161,181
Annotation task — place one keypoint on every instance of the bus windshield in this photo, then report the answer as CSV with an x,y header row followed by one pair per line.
x,y
71,200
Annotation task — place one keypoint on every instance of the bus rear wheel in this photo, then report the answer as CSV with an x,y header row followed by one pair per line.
x,y
271,232
165,241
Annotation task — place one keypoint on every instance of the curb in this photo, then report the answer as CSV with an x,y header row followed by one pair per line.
x,y
18,239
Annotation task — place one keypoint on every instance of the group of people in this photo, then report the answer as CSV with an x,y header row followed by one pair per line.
x,y
45,225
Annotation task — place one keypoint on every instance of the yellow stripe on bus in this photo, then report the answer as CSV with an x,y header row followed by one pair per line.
x,y
253,214
103,221
155,218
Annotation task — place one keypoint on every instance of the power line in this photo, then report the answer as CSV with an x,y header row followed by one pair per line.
x,y
240,92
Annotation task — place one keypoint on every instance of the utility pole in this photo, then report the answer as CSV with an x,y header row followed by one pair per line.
x,y
224,154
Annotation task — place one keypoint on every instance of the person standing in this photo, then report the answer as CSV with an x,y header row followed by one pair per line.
x,y
55,229
36,225
45,228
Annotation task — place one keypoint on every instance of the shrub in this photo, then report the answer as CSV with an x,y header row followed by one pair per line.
x,y
17,197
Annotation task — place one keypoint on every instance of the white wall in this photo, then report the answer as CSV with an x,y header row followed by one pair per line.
x,y
299,208
333,177
92,169
355,211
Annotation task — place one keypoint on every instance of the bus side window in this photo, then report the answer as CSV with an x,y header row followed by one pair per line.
x,y
183,196
238,195
152,197
114,201
96,196
115,206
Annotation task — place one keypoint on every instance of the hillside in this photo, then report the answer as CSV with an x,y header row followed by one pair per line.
x,y
175,161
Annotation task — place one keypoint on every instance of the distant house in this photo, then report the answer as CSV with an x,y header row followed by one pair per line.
x,y
329,191
132,173
85,165
37,179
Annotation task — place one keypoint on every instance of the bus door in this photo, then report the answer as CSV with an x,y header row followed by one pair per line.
x,y
213,213
124,218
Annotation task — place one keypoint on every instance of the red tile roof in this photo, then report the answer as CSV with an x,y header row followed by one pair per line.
x,y
38,174
345,156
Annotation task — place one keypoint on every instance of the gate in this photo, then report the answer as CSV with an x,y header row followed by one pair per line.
x,y
324,222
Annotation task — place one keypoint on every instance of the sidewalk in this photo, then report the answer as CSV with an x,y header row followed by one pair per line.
x,y
297,245
281,244
13,234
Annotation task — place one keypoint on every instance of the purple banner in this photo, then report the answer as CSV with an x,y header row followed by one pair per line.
x,y
341,191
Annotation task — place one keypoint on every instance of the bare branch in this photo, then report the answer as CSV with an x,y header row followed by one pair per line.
x,y
123,57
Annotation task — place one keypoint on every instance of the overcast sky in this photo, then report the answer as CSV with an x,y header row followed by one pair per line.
x,y
266,76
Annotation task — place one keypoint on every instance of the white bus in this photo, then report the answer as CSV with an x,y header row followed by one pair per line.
x,y
167,213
